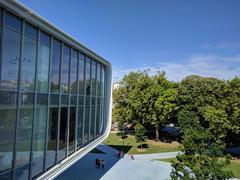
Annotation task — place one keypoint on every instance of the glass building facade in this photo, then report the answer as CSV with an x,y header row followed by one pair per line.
x,y
52,98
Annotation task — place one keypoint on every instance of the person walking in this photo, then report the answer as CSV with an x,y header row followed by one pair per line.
x,y
102,163
132,157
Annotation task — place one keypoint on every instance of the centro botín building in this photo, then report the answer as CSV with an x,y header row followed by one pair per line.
x,y
55,96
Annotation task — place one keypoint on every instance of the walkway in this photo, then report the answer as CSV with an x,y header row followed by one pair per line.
x,y
141,168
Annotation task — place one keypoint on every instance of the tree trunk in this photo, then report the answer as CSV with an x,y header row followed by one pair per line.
x,y
157,132
141,146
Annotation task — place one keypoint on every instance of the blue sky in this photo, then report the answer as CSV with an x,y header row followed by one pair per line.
x,y
181,37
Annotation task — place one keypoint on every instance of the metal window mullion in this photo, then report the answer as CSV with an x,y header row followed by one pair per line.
x,y
59,102
100,101
48,104
95,114
76,115
90,104
1,42
103,99
84,100
34,105
69,102
18,99
104,95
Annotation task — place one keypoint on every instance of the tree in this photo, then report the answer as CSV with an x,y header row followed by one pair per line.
x,y
204,122
140,134
163,101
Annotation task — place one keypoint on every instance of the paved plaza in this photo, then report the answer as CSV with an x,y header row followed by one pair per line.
x,y
141,168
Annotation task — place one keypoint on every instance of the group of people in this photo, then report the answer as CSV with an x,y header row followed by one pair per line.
x,y
120,154
99,163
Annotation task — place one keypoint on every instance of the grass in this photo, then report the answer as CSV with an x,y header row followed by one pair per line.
x,y
234,166
129,145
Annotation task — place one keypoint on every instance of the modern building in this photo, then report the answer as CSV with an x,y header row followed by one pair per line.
x,y
55,96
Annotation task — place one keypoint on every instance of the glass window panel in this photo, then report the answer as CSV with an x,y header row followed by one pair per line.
x,y
52,136
6,176
98,80
23,142
72,129
81,101
55,67
52,131
7,100
65,70
24,136
81,75
103,81
7,138
22,172
10,59
86,125
27,99
13,21
80,126
98,121
73,73
93,78
63,127
64,101
92,124
88,76
43,66
28,64
54,99
45,39
31,31
39,133
7,128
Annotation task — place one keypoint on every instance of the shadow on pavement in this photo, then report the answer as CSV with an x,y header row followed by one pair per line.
x,y
85,168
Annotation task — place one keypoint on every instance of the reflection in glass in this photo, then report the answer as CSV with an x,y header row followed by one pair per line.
x,y
28,64
52,131
86,125
13,22
24,136
72,124
81,74
7,128
88,76
43,63
63,127
73,74
10,59
65,69
80,123
55,67
39,133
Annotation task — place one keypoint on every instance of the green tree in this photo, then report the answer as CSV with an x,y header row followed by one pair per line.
x,y
163,101
204,122
140,134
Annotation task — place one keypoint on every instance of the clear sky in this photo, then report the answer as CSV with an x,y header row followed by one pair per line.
x,y
181,37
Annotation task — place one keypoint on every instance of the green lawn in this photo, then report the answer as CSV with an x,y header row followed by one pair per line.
x,y
234,166
129,145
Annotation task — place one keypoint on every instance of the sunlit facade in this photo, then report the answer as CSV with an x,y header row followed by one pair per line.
x,y
55,96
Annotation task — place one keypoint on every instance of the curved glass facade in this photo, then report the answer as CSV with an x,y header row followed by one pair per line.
x,y
51,99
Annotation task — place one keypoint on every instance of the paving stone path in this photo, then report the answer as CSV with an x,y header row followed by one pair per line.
x,y
142,167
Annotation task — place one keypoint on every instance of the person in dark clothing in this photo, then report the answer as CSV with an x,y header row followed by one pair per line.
x,y
102,163
97,163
